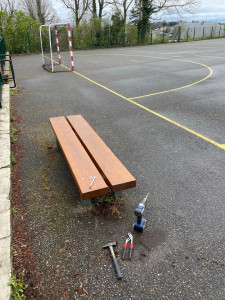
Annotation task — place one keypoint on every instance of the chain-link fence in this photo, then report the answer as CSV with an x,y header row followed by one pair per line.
x,y
2,64
196,31
84,37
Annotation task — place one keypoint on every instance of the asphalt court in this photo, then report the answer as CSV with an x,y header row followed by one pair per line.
x,y
171,82
172,143
147,75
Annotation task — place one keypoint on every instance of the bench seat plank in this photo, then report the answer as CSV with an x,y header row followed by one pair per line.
x,y
113,171
80,164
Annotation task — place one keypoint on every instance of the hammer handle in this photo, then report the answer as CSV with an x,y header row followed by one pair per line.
x,y
118,272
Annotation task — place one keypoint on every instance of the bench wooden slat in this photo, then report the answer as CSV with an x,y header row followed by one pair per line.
x,y
80,164
113,171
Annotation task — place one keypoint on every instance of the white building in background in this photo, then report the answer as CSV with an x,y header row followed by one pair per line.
x,y
197,30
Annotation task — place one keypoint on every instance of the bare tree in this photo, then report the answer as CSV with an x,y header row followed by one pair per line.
x,y
101,5
77,7
178,5
8,6
144,10
124,5
41,10
29,7
96,8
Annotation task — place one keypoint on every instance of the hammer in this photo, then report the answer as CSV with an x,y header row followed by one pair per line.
x,y
110,246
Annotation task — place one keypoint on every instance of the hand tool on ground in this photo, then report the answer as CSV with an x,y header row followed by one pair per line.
x,y
141,222
129,239
118,272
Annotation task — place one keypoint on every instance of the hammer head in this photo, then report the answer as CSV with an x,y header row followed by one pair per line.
x,y
112,244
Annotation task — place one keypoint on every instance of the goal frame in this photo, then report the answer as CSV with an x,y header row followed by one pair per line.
x,y
67,25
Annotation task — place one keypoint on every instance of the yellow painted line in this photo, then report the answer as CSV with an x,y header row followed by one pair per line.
x,y
134,60
155,113
175,89
181,87
222,146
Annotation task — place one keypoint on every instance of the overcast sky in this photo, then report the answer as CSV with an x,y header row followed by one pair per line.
x,y
209,10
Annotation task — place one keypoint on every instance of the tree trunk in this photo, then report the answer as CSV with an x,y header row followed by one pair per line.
x,y
39,12
101,6
94,9
124,13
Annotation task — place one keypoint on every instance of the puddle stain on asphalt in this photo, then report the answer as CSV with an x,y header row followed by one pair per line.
x,y
147,241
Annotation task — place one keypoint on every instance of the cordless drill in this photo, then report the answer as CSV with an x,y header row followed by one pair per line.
x,y
141,222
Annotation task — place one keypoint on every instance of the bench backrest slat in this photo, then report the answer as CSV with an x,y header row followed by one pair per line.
x,y
81,165
113,171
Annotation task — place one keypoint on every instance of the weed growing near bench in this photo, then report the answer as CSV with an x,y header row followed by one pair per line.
x,y
12,138
13,159
14,91
18,287
13,130
108,206
14,211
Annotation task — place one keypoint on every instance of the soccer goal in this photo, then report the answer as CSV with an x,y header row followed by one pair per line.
x,y
56,47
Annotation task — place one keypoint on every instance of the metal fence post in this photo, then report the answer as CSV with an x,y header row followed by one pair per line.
x,y
2,64
138,37
29,42
163,36
212,32
194,34
2,51
0,90
219,31
151,37
73,42
187,33
179,33
109,37
91,38
203,34
124,37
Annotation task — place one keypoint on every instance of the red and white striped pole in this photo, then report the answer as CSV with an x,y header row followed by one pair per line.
x,y
57,42
70,46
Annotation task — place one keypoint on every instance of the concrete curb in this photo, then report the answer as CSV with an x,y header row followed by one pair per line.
x,y
5,186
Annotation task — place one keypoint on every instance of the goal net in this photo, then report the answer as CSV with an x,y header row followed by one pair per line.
x,y
56,47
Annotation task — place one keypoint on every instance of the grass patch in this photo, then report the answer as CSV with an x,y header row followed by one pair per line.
x,y
13,159
14,211
12,130
18,287
14,91
108,206
12,138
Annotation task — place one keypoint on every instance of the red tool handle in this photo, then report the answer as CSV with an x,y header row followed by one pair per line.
x,y
131,249
124,251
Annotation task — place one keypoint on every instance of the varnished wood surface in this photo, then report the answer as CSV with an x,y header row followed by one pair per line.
x,y
80,164
113,171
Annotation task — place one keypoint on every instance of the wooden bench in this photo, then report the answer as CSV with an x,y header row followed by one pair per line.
x,y
88,157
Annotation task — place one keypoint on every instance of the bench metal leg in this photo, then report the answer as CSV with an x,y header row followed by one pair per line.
x,y
118,194
86,202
